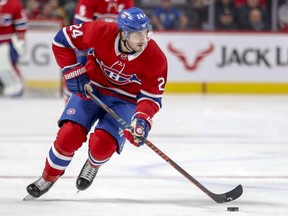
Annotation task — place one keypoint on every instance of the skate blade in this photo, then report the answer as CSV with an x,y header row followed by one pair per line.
x,y
29,197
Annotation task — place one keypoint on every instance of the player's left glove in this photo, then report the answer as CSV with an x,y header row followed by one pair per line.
x,y
76,78
141,124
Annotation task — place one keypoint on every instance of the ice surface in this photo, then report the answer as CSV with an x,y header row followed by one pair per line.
x,y
221,141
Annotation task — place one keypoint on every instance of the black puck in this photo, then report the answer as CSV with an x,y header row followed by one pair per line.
x,y
232,209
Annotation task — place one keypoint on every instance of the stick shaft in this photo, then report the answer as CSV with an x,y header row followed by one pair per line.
x,y
156,149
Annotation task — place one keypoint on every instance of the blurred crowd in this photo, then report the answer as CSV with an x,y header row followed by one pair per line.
x,y
244,15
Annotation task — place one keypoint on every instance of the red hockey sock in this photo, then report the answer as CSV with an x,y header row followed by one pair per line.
x,y
102,145
70,137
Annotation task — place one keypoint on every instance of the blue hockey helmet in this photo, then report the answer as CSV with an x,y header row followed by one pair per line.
x,y
132,20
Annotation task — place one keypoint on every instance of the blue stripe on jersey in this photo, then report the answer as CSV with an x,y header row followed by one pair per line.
x,y
157,100
60,38
20,24
78,21
58,161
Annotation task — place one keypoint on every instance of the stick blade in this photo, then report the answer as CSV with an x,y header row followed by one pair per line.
x,y
29,198
229,196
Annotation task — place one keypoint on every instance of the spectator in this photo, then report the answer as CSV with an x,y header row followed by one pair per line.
x,y
53,10
226,20
32,9
283,16
46,11
256,22
59,11
194,14
168,17
240,3
225,15
70,8
244,14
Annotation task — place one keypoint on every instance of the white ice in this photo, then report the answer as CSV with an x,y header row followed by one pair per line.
x,y
222,141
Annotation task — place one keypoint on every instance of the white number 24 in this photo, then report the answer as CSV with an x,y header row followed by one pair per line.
x,y
75,31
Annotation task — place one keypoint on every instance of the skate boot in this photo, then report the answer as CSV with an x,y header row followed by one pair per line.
x,y
86,176
39,187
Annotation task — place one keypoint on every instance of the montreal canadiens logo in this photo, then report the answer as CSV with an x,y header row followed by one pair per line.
x,y
71,111
124,15
120,79
117,77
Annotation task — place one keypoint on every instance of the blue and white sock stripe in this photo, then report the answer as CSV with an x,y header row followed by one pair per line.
x,y
58,161
96,162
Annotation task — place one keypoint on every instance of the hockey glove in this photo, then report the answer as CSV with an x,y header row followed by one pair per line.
x,y
76,78
141,124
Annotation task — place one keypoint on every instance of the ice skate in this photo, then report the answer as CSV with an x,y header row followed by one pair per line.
x,y
86,176
38,188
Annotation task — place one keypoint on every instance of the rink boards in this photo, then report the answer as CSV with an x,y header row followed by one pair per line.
x,y
198,62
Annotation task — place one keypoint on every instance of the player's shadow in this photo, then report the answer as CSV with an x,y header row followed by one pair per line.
x,y
177,202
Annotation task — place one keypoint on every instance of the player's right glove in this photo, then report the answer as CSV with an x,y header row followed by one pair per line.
x,y
141,124
76,78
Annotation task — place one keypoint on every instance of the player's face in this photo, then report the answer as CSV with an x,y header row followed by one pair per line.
x,y
137,40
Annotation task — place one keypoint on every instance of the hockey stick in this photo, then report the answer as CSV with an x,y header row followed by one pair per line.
x,y
219,198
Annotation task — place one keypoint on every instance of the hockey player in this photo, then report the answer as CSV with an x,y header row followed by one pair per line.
x,y
106,10
13,25
127,70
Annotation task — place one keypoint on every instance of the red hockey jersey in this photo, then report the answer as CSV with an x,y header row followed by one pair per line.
x,y
107,10
12,19
138,77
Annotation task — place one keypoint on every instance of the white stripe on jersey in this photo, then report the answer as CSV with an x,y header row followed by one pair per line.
x,y
145,98
114,89
151,95
21,21
70,66
68,39
57,44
